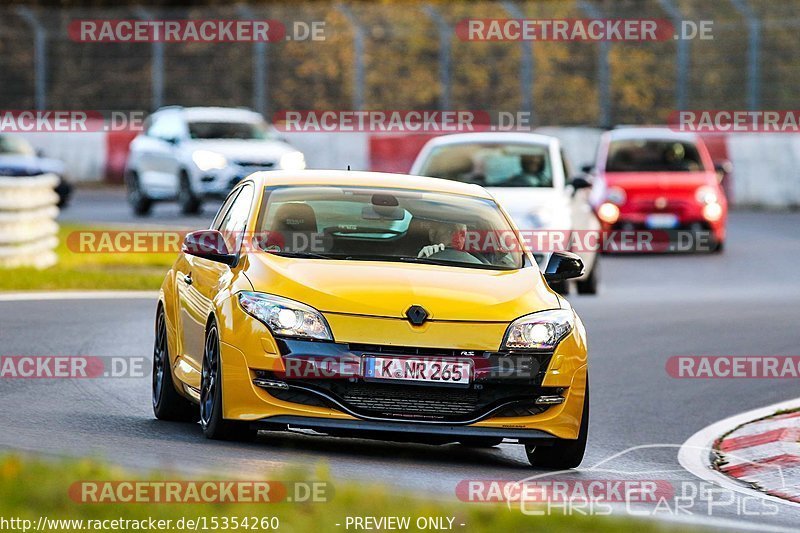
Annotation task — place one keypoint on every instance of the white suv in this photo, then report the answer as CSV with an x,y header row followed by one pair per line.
x,y
188,154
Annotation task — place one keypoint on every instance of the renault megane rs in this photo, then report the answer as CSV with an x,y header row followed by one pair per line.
x,y
379,305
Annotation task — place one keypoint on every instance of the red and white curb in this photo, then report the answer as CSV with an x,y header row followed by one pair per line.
x,y
757,452
764,453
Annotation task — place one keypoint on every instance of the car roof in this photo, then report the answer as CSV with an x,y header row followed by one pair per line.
x,y
492,137
217,114
350,178
653,132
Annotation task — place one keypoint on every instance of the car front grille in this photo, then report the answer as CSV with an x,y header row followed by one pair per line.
x,y
404,400
256,165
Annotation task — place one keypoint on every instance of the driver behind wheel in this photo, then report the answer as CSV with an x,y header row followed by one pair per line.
x,y
444,235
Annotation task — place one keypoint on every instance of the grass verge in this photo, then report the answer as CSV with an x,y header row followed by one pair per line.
x,y
33,488
91,271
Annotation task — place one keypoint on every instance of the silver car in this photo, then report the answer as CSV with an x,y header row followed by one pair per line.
x,y
192,153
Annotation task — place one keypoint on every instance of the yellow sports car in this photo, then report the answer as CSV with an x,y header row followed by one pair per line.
x,y
379,305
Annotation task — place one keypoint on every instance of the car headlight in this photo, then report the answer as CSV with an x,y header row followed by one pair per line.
x,y
207,160
706,195
285,317
712,212
293,161
541,331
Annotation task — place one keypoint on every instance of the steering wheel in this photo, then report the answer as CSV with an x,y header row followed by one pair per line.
x,y
457,256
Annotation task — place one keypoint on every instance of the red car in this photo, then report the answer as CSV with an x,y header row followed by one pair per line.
x,y
662,185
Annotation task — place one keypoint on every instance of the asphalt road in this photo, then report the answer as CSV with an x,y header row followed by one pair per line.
x,y
107,205
743,302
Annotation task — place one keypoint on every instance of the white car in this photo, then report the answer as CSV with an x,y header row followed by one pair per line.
x,y
529,176
188,154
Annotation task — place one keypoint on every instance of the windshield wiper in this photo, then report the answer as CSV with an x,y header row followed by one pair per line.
x,y
305,255
444,262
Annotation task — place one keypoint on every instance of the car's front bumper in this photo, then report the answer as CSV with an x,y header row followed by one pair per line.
x,y
257,354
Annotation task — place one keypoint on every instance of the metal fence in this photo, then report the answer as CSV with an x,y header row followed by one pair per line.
x,y
406,55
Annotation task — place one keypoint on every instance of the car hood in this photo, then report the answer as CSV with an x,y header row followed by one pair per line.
x,y
29,165
247,150
660,181
387,289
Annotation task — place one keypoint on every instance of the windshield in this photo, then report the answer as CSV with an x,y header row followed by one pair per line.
x,y
15,145
387,225
642,155
491,164
228,130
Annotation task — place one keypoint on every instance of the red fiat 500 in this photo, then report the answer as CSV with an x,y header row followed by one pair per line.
x,y
663,184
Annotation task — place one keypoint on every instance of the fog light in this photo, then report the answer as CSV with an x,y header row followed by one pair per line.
x,y
608,213
712,212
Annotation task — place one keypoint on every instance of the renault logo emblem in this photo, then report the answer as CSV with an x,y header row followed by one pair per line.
x,y
661,202
417,315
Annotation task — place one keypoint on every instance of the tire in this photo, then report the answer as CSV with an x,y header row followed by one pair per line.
x,y
64,191
480,442
565,453
589,285
137,198
190,204
168,404
561,287
718,247
214,426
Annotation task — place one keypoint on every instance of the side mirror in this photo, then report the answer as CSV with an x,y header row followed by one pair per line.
x,y
580,182
171,140
587,168
723,167
208,244
562,266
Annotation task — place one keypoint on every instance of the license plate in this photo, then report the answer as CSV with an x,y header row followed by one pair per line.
x,y
419,370
662,221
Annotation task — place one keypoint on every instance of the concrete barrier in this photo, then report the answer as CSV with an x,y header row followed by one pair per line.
x,y
332,150
84,153
766,169
766,166
28,230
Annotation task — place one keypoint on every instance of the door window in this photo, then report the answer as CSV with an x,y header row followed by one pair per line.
x,y
234,223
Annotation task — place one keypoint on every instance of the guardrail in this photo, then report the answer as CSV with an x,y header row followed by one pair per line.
x,y
28,230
